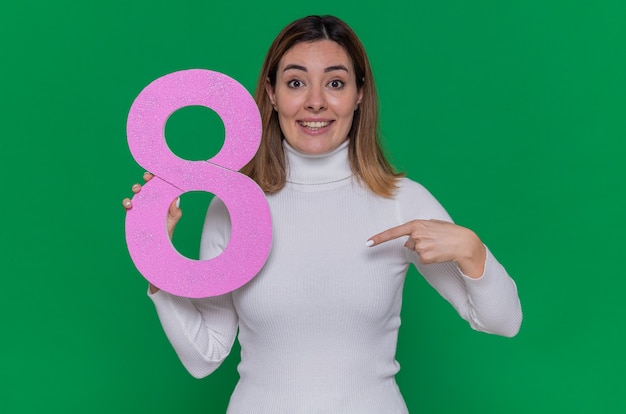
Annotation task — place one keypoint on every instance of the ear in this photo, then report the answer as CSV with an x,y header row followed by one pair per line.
x,y
359,99
269,89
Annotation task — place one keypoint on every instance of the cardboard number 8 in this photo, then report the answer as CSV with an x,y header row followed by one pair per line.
x,y
146,235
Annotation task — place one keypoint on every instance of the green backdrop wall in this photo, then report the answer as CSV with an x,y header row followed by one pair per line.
x,y
511,113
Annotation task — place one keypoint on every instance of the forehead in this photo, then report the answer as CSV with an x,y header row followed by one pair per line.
x,y
320,53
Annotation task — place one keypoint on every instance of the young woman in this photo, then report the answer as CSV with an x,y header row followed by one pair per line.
x,y
318,326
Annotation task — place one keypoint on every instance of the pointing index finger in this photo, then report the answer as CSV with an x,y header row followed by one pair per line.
x,y
389,234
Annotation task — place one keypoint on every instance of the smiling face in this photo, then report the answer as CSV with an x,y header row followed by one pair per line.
x,y
315,96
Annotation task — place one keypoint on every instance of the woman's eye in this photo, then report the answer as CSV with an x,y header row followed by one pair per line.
x,y
294,83
336,84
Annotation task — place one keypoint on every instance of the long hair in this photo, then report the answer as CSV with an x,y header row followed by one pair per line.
x,y
367,161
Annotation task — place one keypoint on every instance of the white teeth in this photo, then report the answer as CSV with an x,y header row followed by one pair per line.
x,y
316,124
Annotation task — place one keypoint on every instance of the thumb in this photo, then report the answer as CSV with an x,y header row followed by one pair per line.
x,y
174,211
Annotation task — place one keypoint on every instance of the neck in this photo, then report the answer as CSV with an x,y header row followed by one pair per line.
x,y
310,169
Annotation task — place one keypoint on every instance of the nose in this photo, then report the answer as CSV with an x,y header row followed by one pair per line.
x,y
315,100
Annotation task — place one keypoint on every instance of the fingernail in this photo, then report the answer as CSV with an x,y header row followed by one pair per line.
x,y
369,243
127,203
136,186
178,202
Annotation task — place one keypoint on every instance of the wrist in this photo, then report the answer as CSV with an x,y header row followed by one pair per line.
x,y
153,289
472,261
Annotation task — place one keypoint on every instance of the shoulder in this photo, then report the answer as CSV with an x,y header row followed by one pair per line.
x,y
417,202
410,191
410,188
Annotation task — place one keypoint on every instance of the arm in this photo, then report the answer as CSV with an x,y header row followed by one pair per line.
x,y
455,262
202,331
489,303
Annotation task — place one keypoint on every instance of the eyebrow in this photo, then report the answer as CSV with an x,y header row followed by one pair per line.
x,y
304,69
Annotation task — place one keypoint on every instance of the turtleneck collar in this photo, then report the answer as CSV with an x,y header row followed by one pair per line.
x,y
317,169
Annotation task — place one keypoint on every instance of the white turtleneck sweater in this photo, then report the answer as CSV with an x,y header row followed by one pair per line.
x,y
318,326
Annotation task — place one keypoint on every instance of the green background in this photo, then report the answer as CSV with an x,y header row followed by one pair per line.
x,y
511,113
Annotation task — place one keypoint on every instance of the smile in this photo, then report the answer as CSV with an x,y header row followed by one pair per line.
x,y
314,125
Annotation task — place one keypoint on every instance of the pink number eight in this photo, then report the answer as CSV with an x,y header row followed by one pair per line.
x,y
146,235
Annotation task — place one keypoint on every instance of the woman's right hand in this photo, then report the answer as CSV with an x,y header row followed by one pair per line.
x,y
174,214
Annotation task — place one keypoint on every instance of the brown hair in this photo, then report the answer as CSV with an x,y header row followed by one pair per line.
x,y
367,161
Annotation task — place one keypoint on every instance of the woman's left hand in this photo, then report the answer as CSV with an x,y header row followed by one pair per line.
x,y
437,241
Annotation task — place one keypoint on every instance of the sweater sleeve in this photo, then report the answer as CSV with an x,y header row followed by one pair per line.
x,y
201,331
489,303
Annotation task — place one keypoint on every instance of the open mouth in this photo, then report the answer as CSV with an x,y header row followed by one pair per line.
x,y
314,125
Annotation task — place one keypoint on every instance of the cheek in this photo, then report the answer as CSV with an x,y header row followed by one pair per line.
x,y
287,125
287,108
283,122
348,114
345,108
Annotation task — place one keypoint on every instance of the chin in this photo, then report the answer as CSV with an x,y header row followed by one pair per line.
x,y
315,148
